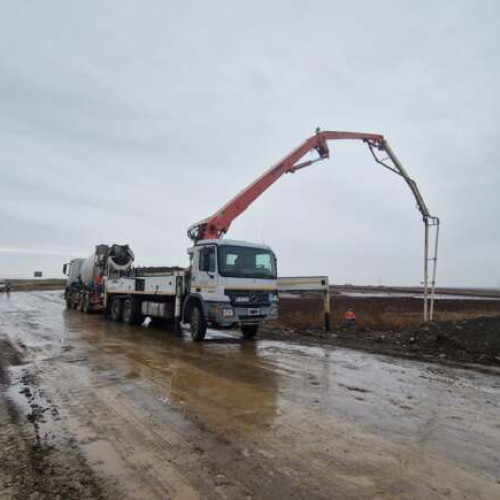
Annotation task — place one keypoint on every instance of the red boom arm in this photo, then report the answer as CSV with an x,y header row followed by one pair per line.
x,y
218,224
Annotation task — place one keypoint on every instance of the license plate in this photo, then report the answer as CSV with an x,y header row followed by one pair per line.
x,y
253,312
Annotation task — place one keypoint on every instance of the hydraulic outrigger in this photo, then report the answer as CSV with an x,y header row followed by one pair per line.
x,y
218,224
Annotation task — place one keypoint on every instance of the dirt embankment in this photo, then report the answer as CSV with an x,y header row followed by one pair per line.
x,y
464,330
28,285
379,313
470,341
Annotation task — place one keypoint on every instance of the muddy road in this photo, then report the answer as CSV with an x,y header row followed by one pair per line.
x,y
91,409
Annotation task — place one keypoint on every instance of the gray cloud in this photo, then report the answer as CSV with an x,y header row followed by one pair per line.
x,y
129,121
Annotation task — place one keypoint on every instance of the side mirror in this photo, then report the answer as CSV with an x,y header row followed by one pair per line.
x,y
65,269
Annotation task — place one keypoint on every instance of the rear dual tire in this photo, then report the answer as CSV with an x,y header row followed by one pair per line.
x,y
116,311
87,304
129,315
124,311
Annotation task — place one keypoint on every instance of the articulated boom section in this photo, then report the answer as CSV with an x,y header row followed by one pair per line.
x,y
218,224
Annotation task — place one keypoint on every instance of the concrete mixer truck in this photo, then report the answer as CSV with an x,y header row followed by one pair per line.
x,y
85,285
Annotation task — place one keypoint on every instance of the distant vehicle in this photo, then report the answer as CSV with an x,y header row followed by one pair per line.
x,y
2,285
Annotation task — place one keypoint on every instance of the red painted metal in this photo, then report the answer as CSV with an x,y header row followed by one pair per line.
x,y
215,226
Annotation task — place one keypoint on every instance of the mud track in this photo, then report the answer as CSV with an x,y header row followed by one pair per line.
x,y
31,466
98,410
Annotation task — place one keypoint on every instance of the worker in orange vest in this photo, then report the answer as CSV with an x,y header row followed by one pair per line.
x,y
349,318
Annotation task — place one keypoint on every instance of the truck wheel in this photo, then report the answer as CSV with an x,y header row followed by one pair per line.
x,y
116,310
249,331
87,304
128,314
197,322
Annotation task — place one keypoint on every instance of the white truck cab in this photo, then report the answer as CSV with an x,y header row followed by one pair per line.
x,y
232,283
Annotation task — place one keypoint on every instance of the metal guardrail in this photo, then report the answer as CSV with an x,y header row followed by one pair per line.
x,y
309,284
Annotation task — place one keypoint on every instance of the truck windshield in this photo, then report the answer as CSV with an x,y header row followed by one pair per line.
x,y
246,262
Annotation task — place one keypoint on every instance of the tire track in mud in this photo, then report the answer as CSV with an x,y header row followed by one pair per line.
x,y
207,472
112,391
173,457
167,455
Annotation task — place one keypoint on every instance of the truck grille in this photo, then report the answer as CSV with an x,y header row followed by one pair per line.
x,y
255,298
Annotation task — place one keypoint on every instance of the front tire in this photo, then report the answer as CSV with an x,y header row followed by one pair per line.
x,y
249,331
198,325
116,310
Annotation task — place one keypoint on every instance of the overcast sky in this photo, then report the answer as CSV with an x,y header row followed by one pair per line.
x,y
127,121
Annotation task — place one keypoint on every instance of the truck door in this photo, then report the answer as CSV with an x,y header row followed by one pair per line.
x,y
205,278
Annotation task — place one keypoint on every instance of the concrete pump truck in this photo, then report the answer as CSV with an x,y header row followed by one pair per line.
x,y
227,283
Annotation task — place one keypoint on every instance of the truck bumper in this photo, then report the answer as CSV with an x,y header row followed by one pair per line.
x,y
225,315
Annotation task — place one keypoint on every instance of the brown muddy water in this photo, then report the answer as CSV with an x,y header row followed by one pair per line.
x,y
133,412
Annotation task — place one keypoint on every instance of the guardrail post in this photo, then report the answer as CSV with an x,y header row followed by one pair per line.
x,y
326,307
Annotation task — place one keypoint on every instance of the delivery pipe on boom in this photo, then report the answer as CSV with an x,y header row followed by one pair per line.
x,y
218,224
429,222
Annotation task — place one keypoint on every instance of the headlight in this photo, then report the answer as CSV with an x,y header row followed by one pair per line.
x,y
273,297
227,312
